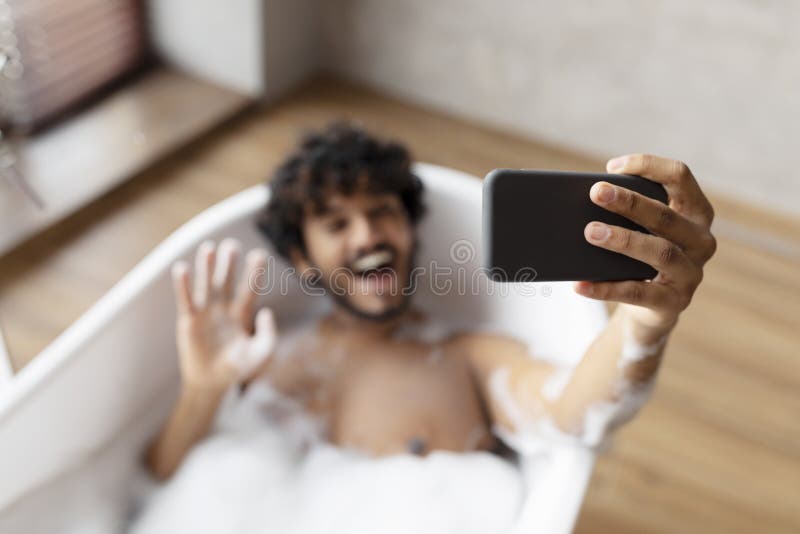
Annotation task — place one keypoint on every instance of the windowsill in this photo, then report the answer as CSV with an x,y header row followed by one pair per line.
x,y
78,160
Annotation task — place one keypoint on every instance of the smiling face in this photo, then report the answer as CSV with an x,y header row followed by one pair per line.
x,y
343,208
361,249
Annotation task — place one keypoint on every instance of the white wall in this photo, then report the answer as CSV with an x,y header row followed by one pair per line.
x,y
291,43
714,83
217,41
258,47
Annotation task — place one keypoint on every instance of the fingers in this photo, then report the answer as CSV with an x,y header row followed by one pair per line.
x,y
225,269
648,294
182,287
651,214
215,271
247,291
203,268
664,256
685,194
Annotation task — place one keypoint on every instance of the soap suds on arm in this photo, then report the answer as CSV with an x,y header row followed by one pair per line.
x,y
610,390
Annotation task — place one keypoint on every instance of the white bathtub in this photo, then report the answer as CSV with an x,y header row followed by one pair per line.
x,y
73,422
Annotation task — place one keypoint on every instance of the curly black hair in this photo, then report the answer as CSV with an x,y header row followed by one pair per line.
x,y
342,158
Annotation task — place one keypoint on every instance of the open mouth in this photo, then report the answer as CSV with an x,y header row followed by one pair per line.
x,y
374,263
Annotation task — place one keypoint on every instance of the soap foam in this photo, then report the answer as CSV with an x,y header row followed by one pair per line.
x,y
634,351
535,432
557,382
260,472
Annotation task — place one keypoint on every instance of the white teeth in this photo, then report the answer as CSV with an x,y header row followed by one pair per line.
x,y
372,261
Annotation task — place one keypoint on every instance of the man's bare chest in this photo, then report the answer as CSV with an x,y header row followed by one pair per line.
x,y
395,397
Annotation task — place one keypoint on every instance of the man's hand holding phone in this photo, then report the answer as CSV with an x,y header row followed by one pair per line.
x,y
678,247
639,235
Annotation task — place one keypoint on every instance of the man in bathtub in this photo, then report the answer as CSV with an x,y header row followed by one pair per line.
x,y
343,211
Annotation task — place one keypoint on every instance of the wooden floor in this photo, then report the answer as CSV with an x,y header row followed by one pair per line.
x,y
717,449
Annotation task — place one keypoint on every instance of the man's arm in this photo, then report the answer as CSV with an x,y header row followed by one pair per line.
x,y
617,370
522,391
217,346
190,421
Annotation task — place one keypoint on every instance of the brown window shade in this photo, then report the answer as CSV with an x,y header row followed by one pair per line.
x,y
69,49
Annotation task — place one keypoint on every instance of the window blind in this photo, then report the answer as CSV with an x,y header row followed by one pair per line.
x,y
68,50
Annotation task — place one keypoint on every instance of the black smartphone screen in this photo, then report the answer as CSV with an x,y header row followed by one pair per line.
x,y
533,223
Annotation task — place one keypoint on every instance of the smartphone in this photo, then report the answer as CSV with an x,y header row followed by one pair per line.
x,y
533,223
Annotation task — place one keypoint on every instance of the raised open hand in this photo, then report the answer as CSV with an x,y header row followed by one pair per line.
x,y
217,345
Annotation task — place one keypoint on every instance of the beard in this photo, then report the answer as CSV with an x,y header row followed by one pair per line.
x,y
390,313
342,299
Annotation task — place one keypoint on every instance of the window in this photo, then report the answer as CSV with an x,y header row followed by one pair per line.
x,y
59,53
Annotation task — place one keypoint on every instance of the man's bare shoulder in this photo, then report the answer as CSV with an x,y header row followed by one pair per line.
x,y
489,351
478,342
